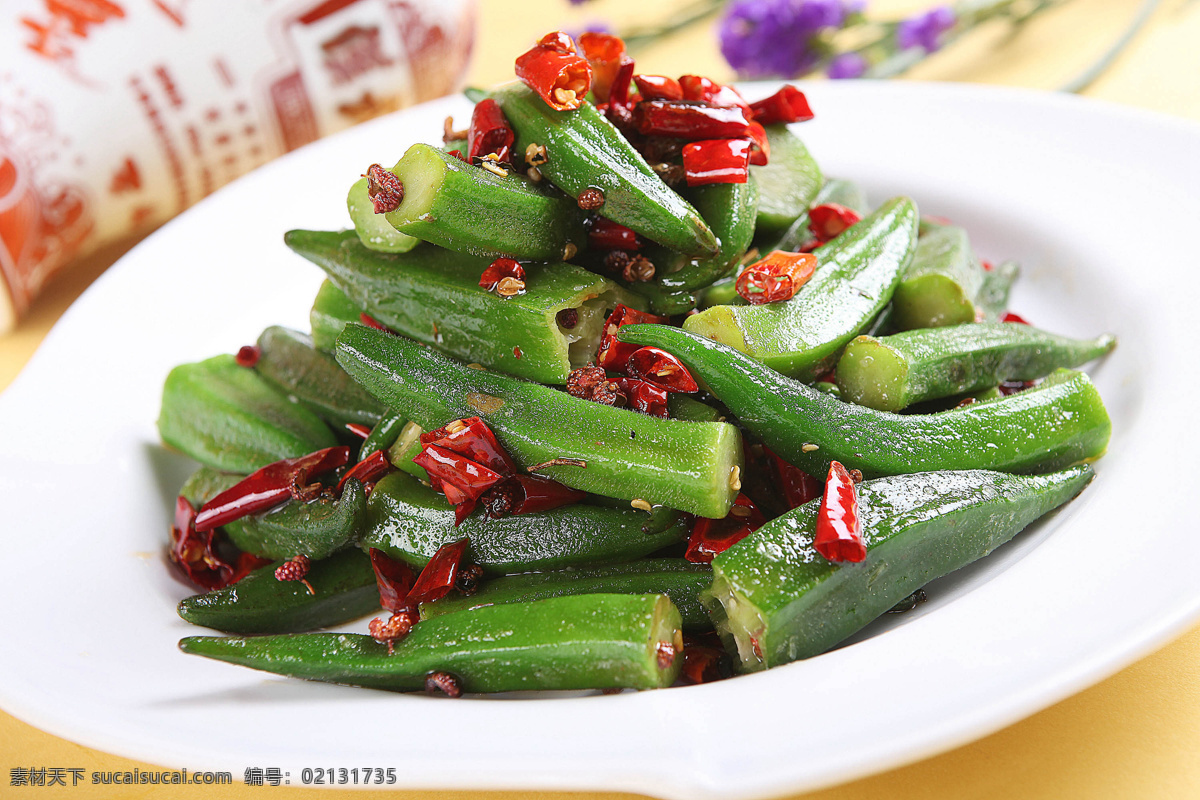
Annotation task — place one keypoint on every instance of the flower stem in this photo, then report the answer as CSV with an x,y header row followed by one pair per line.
x,y
685,18
1089,75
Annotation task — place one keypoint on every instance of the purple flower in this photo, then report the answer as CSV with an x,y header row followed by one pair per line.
x,y
924,30
769,38
846,65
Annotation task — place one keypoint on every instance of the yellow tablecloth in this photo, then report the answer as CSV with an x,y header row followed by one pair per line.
x,y
1137,734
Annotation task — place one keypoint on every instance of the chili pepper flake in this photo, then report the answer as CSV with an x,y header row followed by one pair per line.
x,y
658,87
393,578
605,54
384,188
787,105
829,220
614,355
775,278
1011,317
248,355
702,664
662,369
710,537
358,429
797,486
490,133
716,161
371,322
645,397
368,471
604,234
839,530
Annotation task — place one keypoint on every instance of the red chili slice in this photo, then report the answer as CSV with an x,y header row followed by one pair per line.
x,y
661,369
358,429
1011,317
532,494
394,579
455,472
798,486
658,87
605,54
619,108
827,221
775,278
608,235
700,89
270,486
711,537
437,578
371,322
682,120
787,105
368,471
560,77
716,161
498,270
471,437
489,132
559,42
701,664
644,396
760,147
248,355
839,530
614,354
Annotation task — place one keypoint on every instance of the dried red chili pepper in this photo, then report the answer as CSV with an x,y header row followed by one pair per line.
x,y
195,551
661,369
1012,387
987,265
1011,317
394,580
504,276
553,70
608,235
248,355
471,437
605,54
490,132
798,486
644,396
619,108
658,87
437,578
371,322
358,429
711,537
368,471
716,161
775,278
787,105
528,494
384,188
700,89
268,487
839,530
680,120
701,664
614,354
456,476
459,155
827,221
760,146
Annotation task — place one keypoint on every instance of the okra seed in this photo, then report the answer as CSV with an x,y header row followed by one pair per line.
x,y
569,251
808,448
641,505
735,478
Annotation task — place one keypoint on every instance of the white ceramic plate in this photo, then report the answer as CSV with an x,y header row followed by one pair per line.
x,y
1099,203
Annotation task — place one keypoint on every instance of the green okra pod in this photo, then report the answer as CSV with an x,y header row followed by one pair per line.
x,y
604,641
331,310
680,580
1060,422
788,183
316,528
893,372
410,521
584,151
383,435
631,456
373,229
853,282
288,359
343,590
775,599
231,418
433,295
473,210
996,287
939,287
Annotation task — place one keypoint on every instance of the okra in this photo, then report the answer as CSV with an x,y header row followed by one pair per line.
x,y
893,372
330,312
584,151
343,590
410,521
996,287
605,641
433,295
373,229
788,183
290,362
472,210
939,287
836,190
317,528
680,580
683,465
230,418
383,435
855,276
1060,422
775,599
